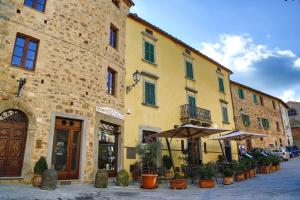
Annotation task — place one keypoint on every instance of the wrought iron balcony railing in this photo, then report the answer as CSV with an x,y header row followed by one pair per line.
x,y
189,112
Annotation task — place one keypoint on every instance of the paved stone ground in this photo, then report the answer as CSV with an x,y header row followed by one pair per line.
x,y
281,185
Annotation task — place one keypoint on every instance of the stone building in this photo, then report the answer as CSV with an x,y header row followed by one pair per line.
x,y
62,76
294,115
258,112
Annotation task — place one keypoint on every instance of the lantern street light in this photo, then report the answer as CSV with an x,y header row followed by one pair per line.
x,y
136,78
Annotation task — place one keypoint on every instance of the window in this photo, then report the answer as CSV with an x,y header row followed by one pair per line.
x,y
274,105
265,123
221,84
246,120
254,98
149,52
36,4
259,123
113,38
261,99
241,93
277,126
149,31
111,81
189,70
224,113
146,138
192,106
116,2
25,52
292,112
150,94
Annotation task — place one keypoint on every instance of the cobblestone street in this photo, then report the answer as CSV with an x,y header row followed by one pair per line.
x,y
282,185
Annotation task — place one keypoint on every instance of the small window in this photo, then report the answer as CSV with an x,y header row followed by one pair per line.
x,y
36,4
246,120
221,84
241,93
277,126
116,2
150,97
224,113
261,99
146,137
274,105
292,112
149,52
113,39
189,70
187,51
149,31
25,52
255,98
111,81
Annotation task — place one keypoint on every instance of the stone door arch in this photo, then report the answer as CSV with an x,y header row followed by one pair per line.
x,y
13,134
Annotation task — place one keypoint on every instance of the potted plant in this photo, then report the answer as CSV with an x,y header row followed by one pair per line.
x,y
247,165
167,163
123,178
240,172
101,179
276,163
265,164
178,182
228,176
207,173
148,155
39,168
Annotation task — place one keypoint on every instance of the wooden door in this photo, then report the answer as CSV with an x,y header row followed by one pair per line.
x,y
66,150
13,132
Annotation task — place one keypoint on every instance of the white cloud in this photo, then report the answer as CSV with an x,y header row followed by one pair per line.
x,y
297,63
240,52
290,95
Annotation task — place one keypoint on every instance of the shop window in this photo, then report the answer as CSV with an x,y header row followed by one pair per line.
x,y
25,52
146,136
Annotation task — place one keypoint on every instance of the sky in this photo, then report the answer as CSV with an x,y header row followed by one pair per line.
x,y
259,40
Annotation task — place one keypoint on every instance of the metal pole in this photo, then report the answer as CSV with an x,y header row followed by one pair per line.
x,y
170,153
223,151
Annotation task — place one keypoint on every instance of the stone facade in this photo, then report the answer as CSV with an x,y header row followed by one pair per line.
x,y
70,75
294,116
276,135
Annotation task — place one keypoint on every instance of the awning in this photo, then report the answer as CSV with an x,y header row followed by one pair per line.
x,y
189,131
240,135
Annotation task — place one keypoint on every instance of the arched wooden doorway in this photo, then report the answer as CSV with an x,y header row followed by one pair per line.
x,y
13,133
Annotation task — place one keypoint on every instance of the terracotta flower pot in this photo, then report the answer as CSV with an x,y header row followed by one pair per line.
x,y
265,169
37,180
273,168
206,183
149,181
240,177
247,174
227,180
178,184
278,167
252,173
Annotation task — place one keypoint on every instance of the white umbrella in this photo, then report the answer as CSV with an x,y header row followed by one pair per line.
x,y
240,135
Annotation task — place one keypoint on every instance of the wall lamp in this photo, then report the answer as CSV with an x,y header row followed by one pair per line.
x,y
136,78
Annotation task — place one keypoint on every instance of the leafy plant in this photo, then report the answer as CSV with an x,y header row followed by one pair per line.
x,y
40,166
221,158
207,172
247,163
177,175
265,161
275,160
167,162
228,172
240,168
123,178
148,154
233,165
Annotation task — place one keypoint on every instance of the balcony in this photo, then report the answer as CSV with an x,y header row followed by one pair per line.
x,y
194,114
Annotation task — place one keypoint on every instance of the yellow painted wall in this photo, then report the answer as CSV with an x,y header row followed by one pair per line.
x,y
171,91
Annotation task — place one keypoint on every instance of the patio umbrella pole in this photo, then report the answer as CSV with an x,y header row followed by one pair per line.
x,y
223,150
170,153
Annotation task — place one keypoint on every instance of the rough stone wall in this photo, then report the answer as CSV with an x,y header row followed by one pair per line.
x,y
296,136
258,111
71,68
295,120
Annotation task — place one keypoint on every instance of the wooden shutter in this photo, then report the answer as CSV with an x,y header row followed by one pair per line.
x,y
221,84
225,114
189,70
149,93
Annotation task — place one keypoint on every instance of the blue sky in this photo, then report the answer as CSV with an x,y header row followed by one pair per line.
x,y
258,39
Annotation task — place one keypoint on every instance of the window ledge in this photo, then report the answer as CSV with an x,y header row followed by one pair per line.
x,y
224,122
146,61
188,78
222,92
149,105
23,68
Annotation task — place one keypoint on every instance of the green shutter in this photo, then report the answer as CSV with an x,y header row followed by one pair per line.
x,y
189,70
254,98
241,93
221,84
150,93
149,52
225,114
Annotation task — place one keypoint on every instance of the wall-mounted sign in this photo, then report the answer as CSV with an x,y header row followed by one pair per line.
x,y
110,112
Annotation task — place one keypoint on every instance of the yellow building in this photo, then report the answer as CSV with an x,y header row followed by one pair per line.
x,y
178,85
